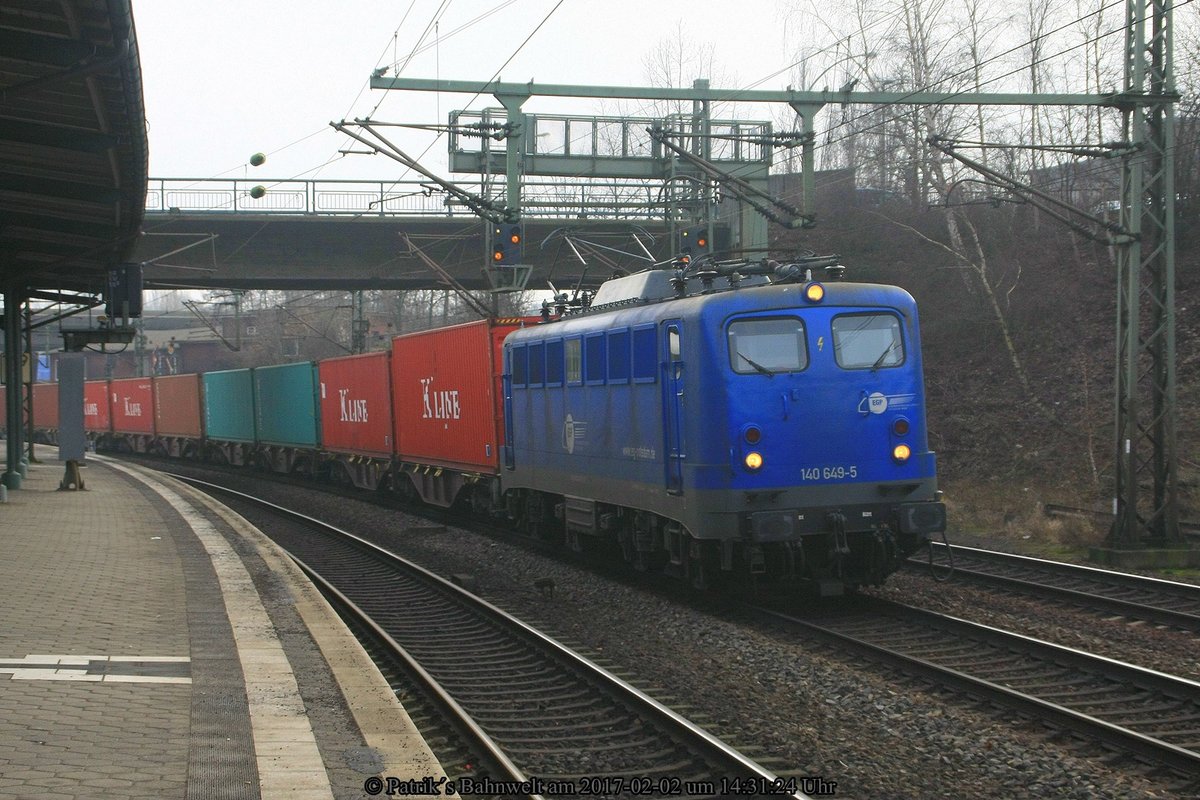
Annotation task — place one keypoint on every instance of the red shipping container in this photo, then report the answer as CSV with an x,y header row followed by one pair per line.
x,y
356,404
45,405
97,410
132,405
177,406
446,394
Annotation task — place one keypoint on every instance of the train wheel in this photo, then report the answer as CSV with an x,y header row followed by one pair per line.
x,y
535,515
697,568
403,486
481,501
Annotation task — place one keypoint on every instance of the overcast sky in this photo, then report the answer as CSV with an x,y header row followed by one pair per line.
x,y
224,79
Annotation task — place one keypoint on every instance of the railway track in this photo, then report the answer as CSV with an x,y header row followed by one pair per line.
x,y
1152,716
552,719
1152,599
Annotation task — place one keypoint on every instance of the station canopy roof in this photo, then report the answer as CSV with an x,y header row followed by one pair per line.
x,y
73,150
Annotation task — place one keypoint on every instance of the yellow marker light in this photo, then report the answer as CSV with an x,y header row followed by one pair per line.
x,y
814,293
753,461
901,452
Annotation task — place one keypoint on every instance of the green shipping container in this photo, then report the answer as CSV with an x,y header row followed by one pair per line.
x,y
285,405
229,405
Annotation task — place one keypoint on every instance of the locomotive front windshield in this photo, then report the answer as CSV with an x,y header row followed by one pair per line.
x,y
867,341
768,345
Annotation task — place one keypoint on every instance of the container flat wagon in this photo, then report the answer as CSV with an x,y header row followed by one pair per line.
x,y
178,417
97,410
229,416
133,412
45,411
286,417
357,434
446,397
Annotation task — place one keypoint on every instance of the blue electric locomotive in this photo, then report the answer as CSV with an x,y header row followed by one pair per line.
x,y
775,429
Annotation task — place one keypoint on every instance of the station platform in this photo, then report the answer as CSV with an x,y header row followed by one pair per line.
x,y
154,644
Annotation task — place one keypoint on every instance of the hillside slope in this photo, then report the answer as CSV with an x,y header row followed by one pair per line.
x,y
1009,443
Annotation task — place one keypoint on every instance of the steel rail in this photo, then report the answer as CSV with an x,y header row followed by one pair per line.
x,y
1187,594
673,724
1173,756
442,699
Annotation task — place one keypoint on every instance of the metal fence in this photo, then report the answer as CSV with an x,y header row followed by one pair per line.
x,y
553,198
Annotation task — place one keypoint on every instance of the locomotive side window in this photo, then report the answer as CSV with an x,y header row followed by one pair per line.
x,y
618,356
867,341
594,360
645,354
767,345
537,364
574,359
519,363
554,362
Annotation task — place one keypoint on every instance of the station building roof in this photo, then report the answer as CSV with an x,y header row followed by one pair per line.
x,y
73,145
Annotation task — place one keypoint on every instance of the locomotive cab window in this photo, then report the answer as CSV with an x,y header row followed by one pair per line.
x,y
766,346
867,341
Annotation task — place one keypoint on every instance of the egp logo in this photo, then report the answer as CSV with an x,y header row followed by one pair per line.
x,y
877,403
569,434
573,430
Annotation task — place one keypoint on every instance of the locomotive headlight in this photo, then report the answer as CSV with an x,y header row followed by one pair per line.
x,y
753,461
814,293
901,452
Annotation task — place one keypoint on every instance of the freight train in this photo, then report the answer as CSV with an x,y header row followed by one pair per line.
x,y
771,430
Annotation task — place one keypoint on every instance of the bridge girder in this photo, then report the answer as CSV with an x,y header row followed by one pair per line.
x,y
325,252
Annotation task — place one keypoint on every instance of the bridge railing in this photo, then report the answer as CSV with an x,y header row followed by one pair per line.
x,y
543,198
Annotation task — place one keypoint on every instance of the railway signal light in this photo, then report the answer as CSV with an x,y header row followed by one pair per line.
x,y
508,244
694,241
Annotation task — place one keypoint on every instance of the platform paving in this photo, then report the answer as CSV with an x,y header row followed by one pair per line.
x,y
153,644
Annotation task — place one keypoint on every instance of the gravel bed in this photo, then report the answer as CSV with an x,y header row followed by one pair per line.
x,y
793,705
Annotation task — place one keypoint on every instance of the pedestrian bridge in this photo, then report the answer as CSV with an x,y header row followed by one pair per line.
x,y
300,234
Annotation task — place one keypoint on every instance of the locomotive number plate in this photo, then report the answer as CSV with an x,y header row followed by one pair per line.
x,y
838,473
